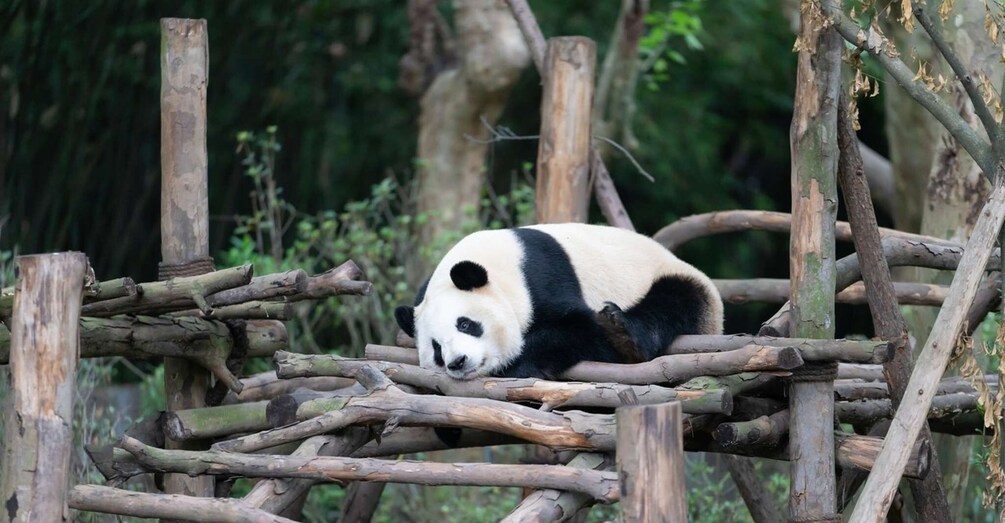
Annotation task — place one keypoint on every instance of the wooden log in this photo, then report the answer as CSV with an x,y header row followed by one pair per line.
x,y
673,369
764,290
861,452
555,505
761,431
851,451
95,498
602,486
852,390
678,368
860,371
412,440
252,310
859,351
110,289
650,459
822,350
870,411
266,337
736,384
205,342
39,415
563,165
387,403
813,139
212,422
172,294
269,286
877,494
278,495
338,281
184,60
759,502
700,225
267,385
549,393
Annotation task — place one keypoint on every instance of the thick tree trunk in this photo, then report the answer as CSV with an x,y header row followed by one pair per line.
x,y
456,107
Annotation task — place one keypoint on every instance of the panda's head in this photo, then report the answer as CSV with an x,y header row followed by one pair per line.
x,y
463,326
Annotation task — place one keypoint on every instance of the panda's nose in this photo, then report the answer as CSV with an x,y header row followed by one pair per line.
x,y
458,363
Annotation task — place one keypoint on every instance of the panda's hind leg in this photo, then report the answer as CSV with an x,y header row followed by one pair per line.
x,y
673,306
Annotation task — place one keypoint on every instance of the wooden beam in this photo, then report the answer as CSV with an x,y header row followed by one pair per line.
x,y
563,157
184,202
650,457
44,354
813,137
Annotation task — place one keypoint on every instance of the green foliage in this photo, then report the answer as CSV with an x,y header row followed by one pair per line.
x,y
7,267
382,234
680,20
712,495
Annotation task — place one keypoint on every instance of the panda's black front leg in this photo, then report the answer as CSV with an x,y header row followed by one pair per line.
x,y
557,342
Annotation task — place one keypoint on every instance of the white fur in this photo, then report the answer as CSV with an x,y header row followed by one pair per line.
x,y
612,265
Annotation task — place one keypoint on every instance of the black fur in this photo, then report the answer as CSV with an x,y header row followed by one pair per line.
x,y
563,331
468,275
405,316
419,296
437,354
470,327
673,306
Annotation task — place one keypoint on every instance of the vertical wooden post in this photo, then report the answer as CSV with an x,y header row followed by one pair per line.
x,y
650,456
45,347
813,136
184,203
563,156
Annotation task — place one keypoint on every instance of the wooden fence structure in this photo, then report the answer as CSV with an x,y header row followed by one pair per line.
x,y
782,394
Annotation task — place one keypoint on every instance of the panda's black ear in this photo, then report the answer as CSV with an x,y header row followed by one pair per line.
x,y
468,275
405,316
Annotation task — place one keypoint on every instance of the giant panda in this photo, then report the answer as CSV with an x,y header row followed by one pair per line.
x,y
534,301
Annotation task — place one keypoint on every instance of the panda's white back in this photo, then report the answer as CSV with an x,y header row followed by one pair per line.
x,y
615,264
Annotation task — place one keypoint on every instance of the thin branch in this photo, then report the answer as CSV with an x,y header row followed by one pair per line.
x,y
531,31
500,133
627,154
878,47
980,108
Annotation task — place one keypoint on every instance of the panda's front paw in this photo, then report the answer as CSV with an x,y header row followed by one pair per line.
x,y
612,319
614,323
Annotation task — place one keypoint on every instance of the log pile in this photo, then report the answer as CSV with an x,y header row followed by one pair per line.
x,y
324,418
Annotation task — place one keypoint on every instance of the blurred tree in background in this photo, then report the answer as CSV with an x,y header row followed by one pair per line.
x,y
79,131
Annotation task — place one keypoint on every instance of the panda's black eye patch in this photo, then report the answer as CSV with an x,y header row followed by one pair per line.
x,y
469,326
437,354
